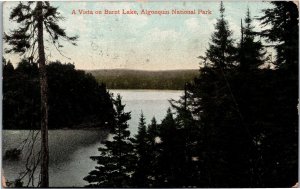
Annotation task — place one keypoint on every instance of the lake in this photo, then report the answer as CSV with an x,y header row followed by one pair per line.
x,y
70,149
153,103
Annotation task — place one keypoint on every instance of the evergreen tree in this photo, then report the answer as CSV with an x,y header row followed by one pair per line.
x,y
29,37
251,50
281,29
187,125
153,148
222,143
242,119
171,159
141,144
141,137
221,52
152,131
115,162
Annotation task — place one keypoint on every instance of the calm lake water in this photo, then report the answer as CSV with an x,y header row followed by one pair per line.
x,y
70,149
150,102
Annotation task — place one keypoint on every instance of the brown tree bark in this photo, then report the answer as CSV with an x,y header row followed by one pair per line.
x,y
44,98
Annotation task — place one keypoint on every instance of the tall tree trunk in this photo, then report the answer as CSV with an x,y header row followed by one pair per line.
x,y
44,100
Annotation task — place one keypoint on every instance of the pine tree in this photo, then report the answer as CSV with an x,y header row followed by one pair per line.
x,y
171,158
142,134
281,30
221,52
153,148
251,51
189,129
29,37
141,144
115,162
152,131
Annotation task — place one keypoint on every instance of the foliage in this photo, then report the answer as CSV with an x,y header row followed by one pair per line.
x,y
281,28
221,52
251,51
171,157
143,153
24,38
76,100
21,98
242,128
115,163
235,126
138,79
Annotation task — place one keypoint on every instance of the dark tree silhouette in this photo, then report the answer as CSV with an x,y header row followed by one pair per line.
x,y
141,144
251,51
221,52
153,143
281,28
115,162
29,37
230,125
87,102
171,158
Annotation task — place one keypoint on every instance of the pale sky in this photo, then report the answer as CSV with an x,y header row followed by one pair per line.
x,y
139,41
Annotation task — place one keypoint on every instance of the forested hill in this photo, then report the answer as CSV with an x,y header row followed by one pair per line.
x,y
141,79
76,99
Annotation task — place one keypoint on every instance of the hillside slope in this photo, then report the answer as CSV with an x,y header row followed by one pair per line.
x,y
140,79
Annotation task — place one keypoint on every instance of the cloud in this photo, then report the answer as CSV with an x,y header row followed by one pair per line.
x,y
139,41
193,24
202,26
158,35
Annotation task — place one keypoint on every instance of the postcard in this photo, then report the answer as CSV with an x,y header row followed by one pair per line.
x,y
142,94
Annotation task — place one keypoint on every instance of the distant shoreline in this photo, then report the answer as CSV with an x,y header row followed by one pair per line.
x,y
128,79
139,70
75,129
165,90
87,128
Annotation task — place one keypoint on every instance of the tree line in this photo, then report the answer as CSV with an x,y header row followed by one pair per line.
x,y
236,125
75,98
140,79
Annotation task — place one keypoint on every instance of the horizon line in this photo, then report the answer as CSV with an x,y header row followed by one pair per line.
x,y
130,69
